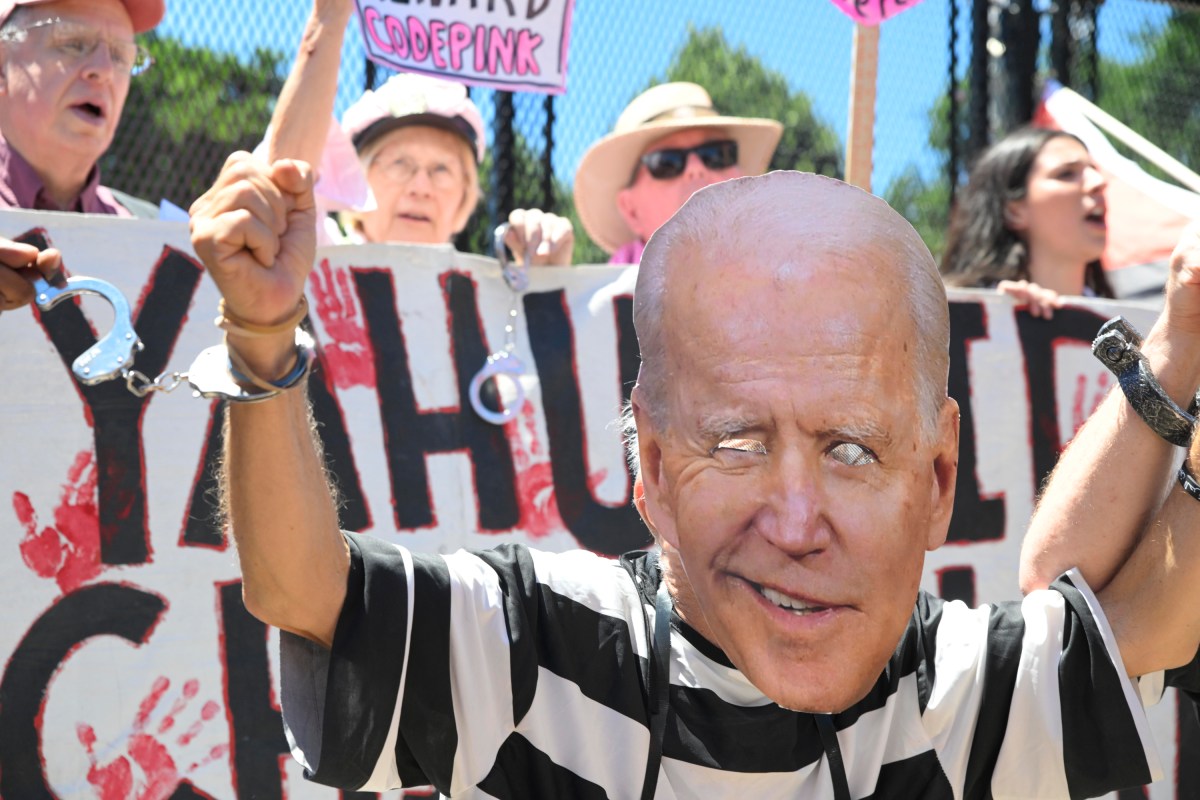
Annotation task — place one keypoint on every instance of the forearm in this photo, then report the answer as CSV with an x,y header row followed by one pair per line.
x,y
1109,481
282,513
305,106
1152,601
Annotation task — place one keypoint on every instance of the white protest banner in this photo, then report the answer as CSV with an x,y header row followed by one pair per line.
x,y
131,668
516,45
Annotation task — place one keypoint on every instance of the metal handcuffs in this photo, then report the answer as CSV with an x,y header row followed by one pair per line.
x,y
504,364
210,375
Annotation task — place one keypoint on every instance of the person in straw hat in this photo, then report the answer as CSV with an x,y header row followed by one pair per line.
x,y
667,143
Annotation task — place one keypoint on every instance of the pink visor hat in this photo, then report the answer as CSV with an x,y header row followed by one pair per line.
x,y
144,14
410,99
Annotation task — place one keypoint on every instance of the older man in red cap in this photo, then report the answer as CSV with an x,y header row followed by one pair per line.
x,y
668,143
61,96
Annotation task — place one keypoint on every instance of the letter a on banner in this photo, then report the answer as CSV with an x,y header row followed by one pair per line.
x,y
516,46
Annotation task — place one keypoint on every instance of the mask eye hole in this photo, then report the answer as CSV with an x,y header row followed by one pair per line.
x,y
742,446
851,454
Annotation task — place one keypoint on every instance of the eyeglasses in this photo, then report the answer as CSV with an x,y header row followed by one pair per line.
x,y
670,162
74,42
401,170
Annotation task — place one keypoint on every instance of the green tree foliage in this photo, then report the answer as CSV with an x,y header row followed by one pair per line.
x,y
925,200
741,86
186,115
1158,94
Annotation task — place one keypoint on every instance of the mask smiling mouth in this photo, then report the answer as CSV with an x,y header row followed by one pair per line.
x,y
787,602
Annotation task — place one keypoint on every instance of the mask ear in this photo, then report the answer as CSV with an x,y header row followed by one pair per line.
x,y
650,495
945,474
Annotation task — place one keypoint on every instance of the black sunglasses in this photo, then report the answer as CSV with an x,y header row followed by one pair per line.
x,y
670,163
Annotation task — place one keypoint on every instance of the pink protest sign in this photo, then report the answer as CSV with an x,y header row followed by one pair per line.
x,y
873,12
517,45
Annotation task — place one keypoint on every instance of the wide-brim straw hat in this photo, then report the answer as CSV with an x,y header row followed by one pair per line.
x,y
144,14
607,166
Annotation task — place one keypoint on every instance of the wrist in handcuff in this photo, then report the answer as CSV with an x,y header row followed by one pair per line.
x,y
1118,348
224,371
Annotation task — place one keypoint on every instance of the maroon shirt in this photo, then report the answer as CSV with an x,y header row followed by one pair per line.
x,y
20,187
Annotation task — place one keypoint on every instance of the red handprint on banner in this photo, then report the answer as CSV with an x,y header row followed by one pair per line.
x,y
68,550
150,762
535,476
347,355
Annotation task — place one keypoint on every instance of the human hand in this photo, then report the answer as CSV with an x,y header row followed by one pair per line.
x,y
20,266
1040,300
548,237
255,231
1181,310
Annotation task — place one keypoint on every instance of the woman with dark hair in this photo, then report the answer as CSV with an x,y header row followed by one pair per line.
x,y
1031,222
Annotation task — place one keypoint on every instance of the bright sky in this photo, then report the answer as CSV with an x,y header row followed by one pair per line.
x,y
614,55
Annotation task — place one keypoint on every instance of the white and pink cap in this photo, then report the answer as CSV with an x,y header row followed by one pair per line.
x,y
410,99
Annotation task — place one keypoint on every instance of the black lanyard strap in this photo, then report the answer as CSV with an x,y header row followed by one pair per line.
x,y
833,753
660,684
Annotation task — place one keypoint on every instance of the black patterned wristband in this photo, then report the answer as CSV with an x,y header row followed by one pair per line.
x,y
1188,481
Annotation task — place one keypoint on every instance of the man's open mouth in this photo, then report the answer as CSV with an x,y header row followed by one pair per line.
x,y
92,110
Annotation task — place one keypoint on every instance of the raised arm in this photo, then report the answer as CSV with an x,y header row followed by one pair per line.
x,y
255,232
305,106
1112,477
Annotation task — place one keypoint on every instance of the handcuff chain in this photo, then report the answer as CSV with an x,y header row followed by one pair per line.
x,y
140,384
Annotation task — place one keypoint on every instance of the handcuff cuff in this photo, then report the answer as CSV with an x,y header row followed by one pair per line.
x,y
212,374
504,363
1118,346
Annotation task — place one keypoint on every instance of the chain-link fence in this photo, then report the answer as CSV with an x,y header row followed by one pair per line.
x,y
220,65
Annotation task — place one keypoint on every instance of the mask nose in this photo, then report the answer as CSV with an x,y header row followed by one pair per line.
x,y
793,519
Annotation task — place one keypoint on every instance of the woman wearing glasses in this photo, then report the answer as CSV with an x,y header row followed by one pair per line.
x,y
403,164
667,143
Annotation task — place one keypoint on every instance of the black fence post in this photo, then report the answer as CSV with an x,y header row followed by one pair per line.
x,y
979,100
1021,40
548,157
952,113
370,73
1060,41
504,170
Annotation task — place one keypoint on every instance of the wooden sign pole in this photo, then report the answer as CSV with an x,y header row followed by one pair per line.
x,y
860,137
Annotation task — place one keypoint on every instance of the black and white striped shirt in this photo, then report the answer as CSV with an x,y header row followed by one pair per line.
x,y
513,673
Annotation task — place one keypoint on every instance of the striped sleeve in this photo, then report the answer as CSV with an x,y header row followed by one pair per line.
x,y
380,710
458,670
1031,699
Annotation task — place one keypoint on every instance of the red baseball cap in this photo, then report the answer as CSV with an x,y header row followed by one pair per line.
x,y
144,14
